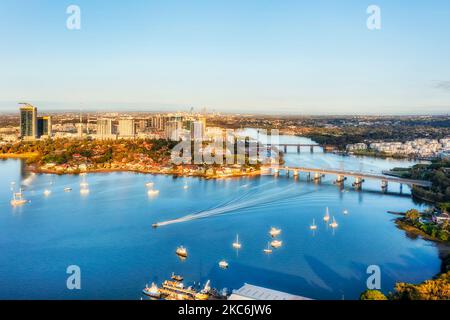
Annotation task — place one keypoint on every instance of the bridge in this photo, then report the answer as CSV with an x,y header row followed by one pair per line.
x,y
342,175
286,145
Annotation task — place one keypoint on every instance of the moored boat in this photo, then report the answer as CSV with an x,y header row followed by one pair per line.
x,y
176,277
237,244
276,243
152,291
182,252
334,224
268,250
274,232
18,199
326,218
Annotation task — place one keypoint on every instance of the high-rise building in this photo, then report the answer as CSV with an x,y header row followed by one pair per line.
x,y
197,130
44,127
127,128
174,130
104,128
28,121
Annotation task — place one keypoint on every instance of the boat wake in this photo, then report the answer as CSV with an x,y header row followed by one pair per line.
x,y
258,197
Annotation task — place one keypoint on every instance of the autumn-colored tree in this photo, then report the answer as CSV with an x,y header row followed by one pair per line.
x,y
372,295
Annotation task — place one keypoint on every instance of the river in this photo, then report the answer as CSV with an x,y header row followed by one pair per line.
x,y
108,233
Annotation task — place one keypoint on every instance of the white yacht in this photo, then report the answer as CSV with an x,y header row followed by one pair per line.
x,y
152,192
223,264
274,232
67,189
237,244
47,192
276,243
345,211
149,184
152,291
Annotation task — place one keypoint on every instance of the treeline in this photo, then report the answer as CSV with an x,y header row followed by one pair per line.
x,y
341,136
61,151
438,172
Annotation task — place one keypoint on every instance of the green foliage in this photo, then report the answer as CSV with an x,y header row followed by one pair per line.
x,y
412,215
436,289
372,295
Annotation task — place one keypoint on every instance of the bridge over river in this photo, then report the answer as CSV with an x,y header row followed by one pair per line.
x,y
342,175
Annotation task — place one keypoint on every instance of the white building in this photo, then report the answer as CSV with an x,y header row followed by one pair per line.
x,y
127,128
104,129
174,130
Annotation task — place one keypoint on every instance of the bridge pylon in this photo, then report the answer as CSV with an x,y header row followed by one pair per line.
x,y
358,183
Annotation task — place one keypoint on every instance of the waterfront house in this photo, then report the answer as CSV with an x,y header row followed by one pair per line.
x,y
441,218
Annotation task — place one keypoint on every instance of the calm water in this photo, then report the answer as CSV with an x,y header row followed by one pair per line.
x,y
108,233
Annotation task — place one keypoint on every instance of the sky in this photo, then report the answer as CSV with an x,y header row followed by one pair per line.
x,y
246,56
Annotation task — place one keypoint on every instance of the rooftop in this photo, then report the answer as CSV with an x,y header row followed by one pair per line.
x,y
251,292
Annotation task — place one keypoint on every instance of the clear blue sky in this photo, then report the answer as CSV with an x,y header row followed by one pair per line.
x,y
277,56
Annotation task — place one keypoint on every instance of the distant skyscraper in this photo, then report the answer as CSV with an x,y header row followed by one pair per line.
x,y
44,126
28,121
127,128
104,128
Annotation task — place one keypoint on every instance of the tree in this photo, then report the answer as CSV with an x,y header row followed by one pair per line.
x,y
412,215
372,295
436,289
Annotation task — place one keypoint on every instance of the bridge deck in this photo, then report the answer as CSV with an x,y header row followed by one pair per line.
x,y
358,174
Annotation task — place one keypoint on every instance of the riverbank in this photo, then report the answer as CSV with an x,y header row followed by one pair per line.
x,y
154,172
414,232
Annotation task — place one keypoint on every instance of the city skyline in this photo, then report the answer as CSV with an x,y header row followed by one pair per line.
x,y
257,58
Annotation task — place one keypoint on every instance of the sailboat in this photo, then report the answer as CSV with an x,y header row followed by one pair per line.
x,y
268,250
334,224
18,199
236,244
326,218
313,226
223,264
